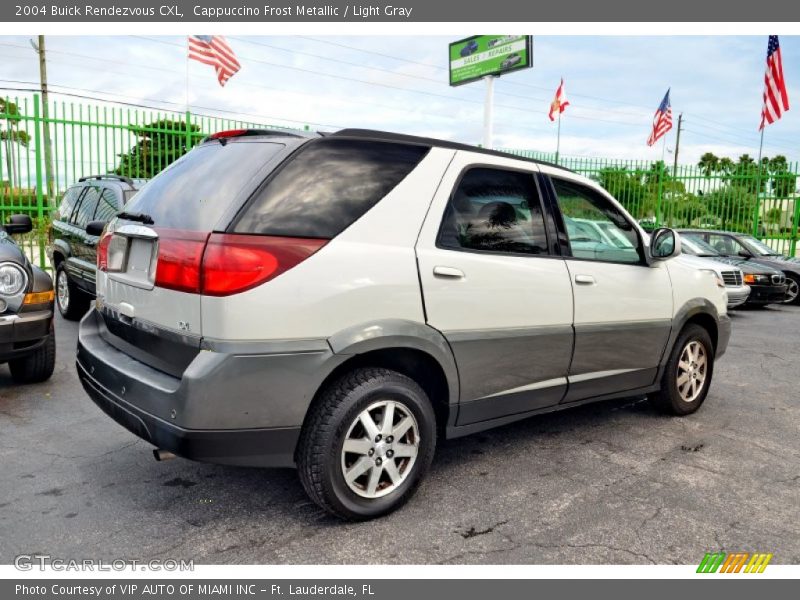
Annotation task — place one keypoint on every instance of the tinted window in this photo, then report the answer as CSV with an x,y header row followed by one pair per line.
x,y
494,210
68,203
327,186
596,229
107,207
194,191
86,208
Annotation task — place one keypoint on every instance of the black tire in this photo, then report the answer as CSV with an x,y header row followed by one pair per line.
x,y
668,399
72,302
36,367
793,287
320,449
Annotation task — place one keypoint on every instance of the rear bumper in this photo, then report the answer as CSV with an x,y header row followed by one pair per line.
x,y
240,409
737,295
766,294
23,333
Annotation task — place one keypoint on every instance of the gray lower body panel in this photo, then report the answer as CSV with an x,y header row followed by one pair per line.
x,y
510,371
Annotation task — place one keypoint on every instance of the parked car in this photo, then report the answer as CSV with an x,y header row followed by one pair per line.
x,y
338,302
470,48
510,60
752,250
72,249
732,277
27,337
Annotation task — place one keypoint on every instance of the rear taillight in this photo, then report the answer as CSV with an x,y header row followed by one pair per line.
x,y
102,251
180,255
222,264
234,263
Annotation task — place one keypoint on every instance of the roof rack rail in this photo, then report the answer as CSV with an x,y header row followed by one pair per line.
x,y
388,136
113,176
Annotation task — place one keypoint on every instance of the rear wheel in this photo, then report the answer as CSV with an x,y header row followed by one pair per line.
x,y
792,289
687,376
72,303
367,444
36,367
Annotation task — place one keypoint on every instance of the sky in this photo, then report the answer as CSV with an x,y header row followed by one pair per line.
x,y
399,83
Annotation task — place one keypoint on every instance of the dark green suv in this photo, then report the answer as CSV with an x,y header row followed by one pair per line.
x,y
72,249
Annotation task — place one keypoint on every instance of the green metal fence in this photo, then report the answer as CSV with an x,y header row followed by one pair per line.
x,y
139,142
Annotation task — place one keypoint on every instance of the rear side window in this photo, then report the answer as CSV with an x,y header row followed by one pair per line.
x,y
86,208
327,186
68,203
195,191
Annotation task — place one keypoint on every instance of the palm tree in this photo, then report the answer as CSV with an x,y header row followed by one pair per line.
x,y
709,163
12,136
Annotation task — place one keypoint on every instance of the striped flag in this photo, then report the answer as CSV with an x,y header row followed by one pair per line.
x,y
560,102
662,120
214,50
775,97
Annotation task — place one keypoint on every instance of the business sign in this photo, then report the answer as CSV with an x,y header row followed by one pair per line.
x,y
478,56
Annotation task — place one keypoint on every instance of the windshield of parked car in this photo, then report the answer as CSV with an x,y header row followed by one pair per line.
x,y
697,247
757,247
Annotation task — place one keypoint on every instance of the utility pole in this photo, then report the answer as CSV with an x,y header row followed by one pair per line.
x,y
48,155
677,146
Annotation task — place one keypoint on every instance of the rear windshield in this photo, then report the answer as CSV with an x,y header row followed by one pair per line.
x,y
327,186
194,191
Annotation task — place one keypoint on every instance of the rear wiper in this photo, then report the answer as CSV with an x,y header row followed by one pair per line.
x,y
134,216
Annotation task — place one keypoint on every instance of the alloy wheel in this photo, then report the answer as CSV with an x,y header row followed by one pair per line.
x,y
792,290
380,449
62,291
692,371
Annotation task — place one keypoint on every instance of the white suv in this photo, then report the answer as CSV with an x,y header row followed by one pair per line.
x,y
337,302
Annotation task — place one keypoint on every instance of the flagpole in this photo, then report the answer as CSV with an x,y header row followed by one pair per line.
x,y
187,74
758,185
661,183
558,136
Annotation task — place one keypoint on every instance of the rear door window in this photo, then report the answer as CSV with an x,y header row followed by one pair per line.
x,y
327,186
195,191
494,210
68,202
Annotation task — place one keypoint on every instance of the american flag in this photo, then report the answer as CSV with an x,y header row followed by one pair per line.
x,y
559,103
775,97
662,120
214,50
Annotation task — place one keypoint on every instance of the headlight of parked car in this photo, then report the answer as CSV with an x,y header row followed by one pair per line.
x,y
717,278
12,279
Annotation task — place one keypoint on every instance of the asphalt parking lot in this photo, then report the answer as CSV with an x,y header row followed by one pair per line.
x,y
609,483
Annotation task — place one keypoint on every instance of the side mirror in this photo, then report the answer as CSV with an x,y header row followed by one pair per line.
x,y
96,228
18,224
664,244
744,254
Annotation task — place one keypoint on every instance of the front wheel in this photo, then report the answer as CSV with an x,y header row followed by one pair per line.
x,y
36,367
71,302
792,290
687,376
367,444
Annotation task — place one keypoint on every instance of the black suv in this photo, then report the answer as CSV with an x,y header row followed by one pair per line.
x,y
27,339
73,249
744,246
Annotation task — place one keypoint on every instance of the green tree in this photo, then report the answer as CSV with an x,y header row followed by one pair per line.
x,y
709,163
159,144
12,136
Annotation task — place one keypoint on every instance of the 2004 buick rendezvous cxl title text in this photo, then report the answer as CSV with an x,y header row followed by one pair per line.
x,y
337,302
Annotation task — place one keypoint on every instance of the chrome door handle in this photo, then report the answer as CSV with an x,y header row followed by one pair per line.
x,y
585,279
448,272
